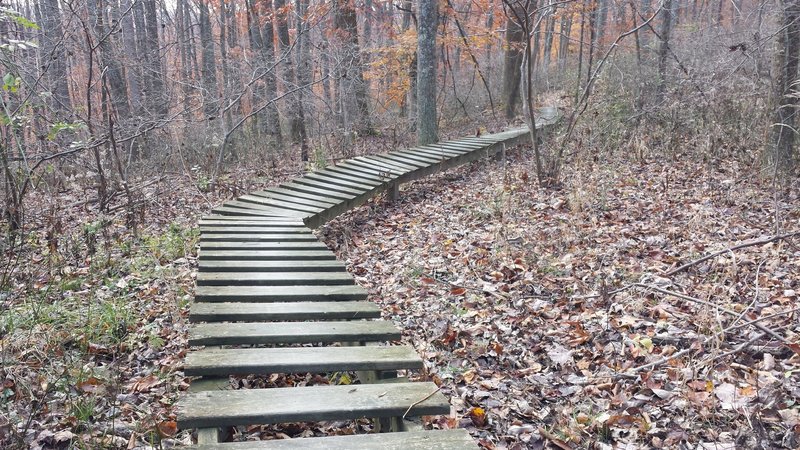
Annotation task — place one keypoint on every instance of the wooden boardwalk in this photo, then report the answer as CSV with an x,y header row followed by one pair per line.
x,y
270,298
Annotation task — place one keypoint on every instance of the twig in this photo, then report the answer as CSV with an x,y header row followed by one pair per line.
x,y
736,247
420,401
721,308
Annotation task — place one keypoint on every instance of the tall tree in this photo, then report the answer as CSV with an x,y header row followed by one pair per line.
x,y
53,59
209,68
294,109
355,106
133,73
262,39
108,61
663,50
159,102
785,97
427,123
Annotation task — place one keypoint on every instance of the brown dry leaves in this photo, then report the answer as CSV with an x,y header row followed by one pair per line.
x,y
505,291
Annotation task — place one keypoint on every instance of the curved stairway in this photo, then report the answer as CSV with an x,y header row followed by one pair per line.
x,y
266,283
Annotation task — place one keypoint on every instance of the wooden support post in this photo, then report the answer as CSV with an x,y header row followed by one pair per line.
x,y
394,192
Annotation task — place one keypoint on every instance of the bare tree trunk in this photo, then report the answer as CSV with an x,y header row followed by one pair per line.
x,y
785,94
133,74
512,61
563,44
108,62
263,41
352,80
427,124
297,126
663,50
209,67
159,100
54,56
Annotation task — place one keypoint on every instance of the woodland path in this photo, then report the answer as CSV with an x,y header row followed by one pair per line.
x,y
267,290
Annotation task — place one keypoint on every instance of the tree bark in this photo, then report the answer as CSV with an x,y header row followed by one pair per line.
x,y
785,97
351,79
427,124
54,57
262,38
159,101
663,50
515,38
209,68
297,126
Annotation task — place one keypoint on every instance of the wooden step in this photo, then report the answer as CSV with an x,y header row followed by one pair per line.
x,y
258,237
249,213
228,229
275,203
228,221
375,174
381,161
406,165
292,332
314,189
274,278
266,255
426,160
271,266
316,403
279,293
332,184
373,165
273,210
352,175
282,311
282,245
298,195
245,361
409,440
294,198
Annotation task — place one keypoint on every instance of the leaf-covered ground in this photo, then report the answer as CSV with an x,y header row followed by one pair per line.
x,y
550,317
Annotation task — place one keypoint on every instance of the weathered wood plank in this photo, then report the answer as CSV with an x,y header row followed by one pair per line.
x,y
406,155
266,255
304,189
405,162
295,197
353,177
410,440
372,176
283,245
245,361
245,333
250,213
228,221
355,187
380,159
279,311
375,165
275,203
213,229
274,278
340,193
277,210
271,266
315,403
257,237
279,293
385,175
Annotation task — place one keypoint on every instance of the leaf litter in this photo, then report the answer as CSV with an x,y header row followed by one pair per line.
x,y
550,319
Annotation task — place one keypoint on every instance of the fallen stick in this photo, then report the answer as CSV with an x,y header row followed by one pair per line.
x,y
730,249
420,401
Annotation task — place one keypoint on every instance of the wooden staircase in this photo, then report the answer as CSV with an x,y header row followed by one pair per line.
x,y
270,298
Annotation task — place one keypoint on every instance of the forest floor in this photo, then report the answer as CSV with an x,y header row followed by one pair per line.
x,y
551,317
537,311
